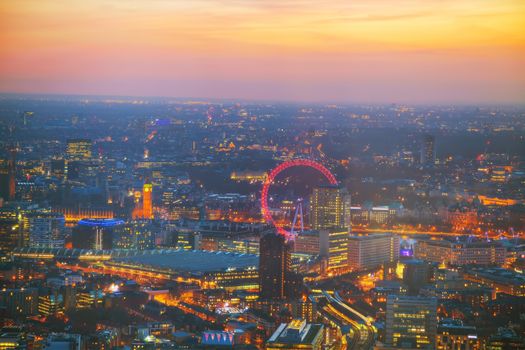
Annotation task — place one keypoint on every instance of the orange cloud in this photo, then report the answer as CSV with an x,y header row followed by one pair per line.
x,y
106,45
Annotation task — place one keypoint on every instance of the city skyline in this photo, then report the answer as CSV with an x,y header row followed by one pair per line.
x,y
133,224
436,52
262,174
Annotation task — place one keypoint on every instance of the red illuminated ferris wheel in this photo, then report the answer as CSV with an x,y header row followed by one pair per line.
x,y
271,177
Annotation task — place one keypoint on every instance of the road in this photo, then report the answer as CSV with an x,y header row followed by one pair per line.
x,y
348,337
357,330
366,329
405,232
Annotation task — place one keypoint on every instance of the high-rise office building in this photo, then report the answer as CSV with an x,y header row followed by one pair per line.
x,y
4,181
46,230
428,151
135,234
305,308
372,250
411,322
50,303
416,274
8,230
337,249
79,149
330,207
20,301
274,266
23,214
312,242
58,168
8,176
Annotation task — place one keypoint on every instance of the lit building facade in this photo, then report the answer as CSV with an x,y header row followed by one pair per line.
x,y
452,335
50,304
462,219
188,240
89,299
79,149
330,208
498,279
24,215
244,246
46,230
305,309
372,250
313,242
338,250
74,215
242,279
184,211
19,302
460,253
365,215
411,322
12,341
249,176
8,230
136,234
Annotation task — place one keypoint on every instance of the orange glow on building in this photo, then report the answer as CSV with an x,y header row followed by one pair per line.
x,y
497,201
463,220
146,211
74,215
11,170
147,206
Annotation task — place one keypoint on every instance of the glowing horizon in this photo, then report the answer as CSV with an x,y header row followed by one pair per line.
x,y
438,51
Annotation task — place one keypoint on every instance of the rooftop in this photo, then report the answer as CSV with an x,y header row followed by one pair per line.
x,y
296,332
100,222
369,236
499,275
195,261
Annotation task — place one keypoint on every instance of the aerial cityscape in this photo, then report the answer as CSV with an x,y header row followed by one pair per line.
x,y
229,181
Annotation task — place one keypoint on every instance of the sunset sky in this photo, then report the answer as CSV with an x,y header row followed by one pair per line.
x,y
406,51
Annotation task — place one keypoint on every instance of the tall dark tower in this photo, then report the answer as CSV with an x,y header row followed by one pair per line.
x,y
428,151
7,177
4,181
11,171
274,266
